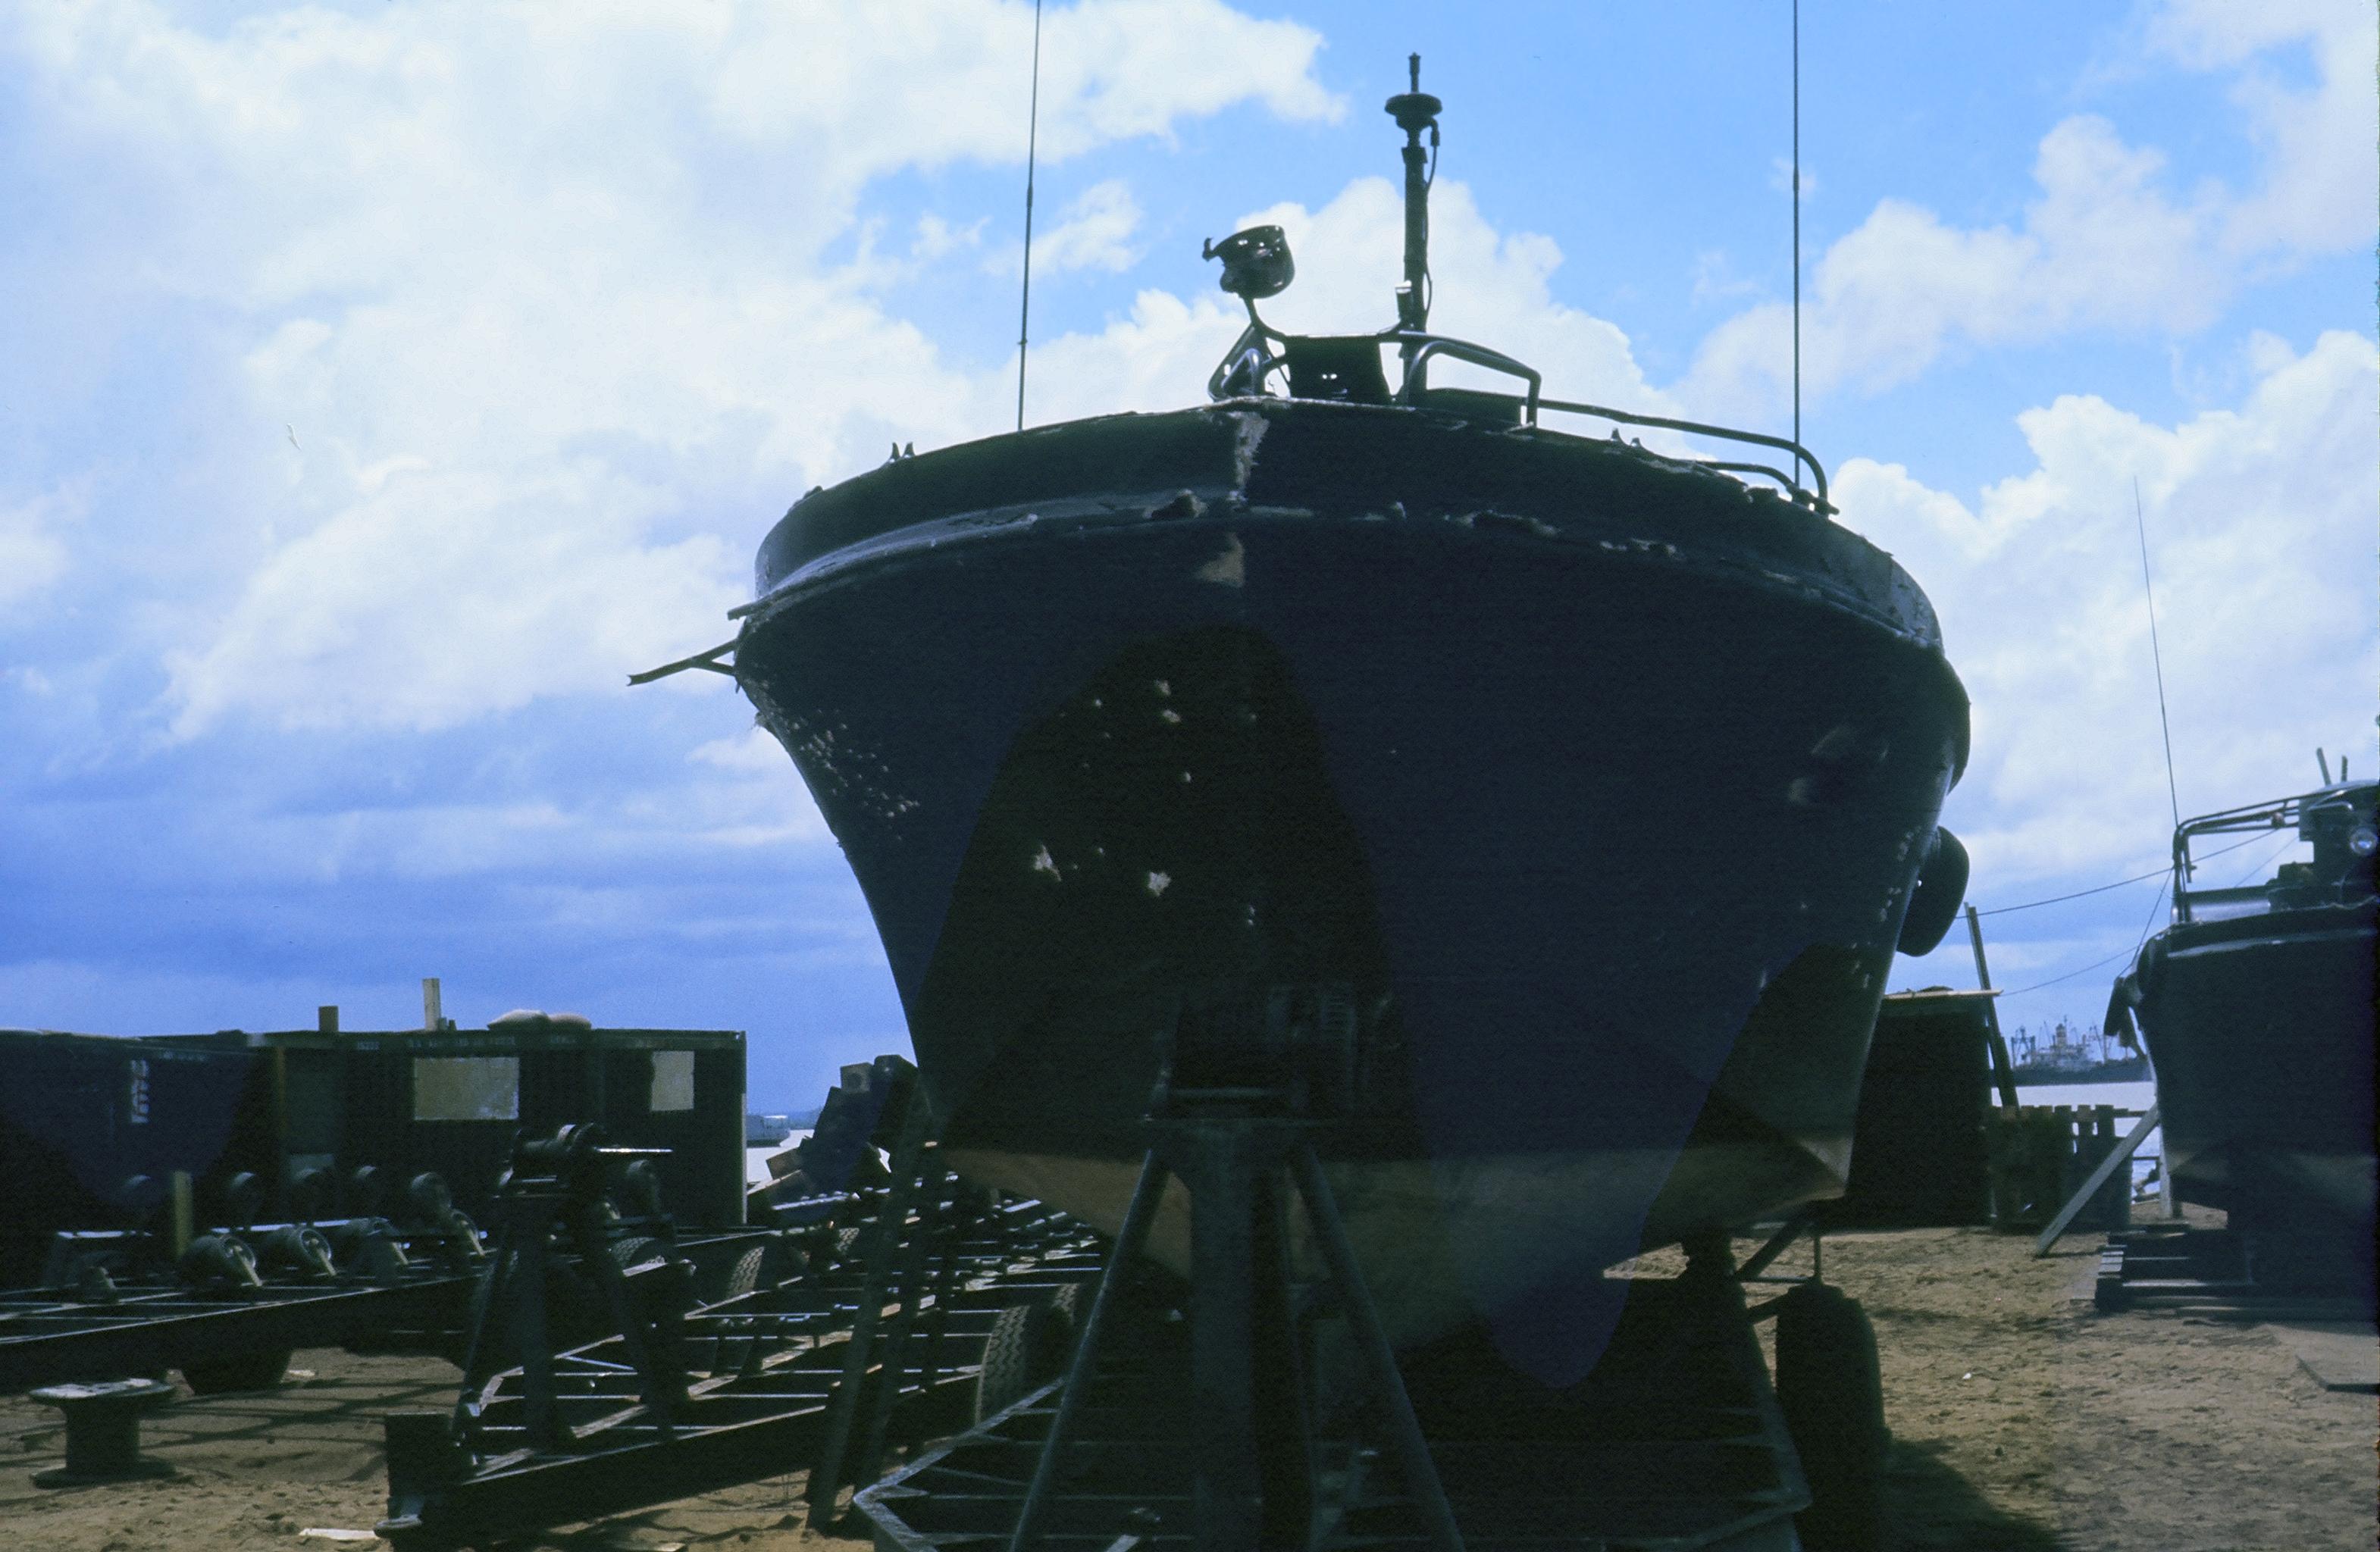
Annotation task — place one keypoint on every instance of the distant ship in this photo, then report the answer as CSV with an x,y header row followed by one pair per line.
x,y
1569,798
2070,1057
2256,1004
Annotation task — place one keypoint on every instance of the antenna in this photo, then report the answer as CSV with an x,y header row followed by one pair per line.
x,y
2140,522
2323,761
1797,221
1032,142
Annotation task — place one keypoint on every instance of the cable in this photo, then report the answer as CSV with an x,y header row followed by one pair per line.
x,y
2097,965
2137,878
2120,953
2136,948
2287,841
2055,899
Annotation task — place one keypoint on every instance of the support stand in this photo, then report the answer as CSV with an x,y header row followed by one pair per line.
x,y
917,1178
1240,1141
557,1185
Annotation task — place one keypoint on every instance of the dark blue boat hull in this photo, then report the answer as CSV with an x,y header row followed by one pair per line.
x,y
1599,784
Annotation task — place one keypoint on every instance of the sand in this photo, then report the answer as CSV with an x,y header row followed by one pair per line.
x,y
2021,1421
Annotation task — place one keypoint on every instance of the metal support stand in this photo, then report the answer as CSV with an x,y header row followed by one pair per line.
x,y
889,1275
1239,1148
558,1185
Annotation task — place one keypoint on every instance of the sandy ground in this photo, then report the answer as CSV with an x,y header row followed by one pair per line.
x,y
2021,1422
2024,1420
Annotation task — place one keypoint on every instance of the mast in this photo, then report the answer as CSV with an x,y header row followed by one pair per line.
x,y
1415,111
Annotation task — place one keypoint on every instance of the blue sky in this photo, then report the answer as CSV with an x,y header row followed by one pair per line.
x,y
382,383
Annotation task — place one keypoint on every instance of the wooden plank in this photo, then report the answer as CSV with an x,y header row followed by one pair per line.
x,y
2122,1155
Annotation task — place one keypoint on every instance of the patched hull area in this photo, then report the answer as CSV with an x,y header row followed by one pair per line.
x,y
1598,798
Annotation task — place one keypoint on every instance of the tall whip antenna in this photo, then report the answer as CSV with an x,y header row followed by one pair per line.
x,y
1032,143
2141,524
1797,221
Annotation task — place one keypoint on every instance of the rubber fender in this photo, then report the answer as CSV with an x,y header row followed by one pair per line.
x,y
1933,903
2119,1022
2148,970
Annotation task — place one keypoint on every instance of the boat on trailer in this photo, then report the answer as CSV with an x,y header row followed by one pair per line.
x,y
1553,804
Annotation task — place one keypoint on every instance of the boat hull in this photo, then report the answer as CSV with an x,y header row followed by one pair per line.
x,y
1593,786
2261,1032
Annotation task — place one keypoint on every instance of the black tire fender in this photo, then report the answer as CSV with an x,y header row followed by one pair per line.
x,y
1935,899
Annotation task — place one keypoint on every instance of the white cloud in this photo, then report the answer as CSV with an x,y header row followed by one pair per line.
x,y
2262,542
477,261
443,597
2105,244
2321,145
1491,286
32,555
1095,233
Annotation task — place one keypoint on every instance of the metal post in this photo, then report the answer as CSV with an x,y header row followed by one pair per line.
x,y
1226,1488
933,1215
1404,1428
2003,1072
843,1409
1130,1237
1415,111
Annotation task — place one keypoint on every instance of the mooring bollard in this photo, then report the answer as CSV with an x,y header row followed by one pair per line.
x,y
103,1431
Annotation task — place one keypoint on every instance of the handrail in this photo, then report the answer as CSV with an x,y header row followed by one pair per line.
x,y
1423,347
1697,428
1252,352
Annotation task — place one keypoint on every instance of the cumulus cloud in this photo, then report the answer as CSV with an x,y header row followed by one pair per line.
x,y
478,261
2321,144
1093,231
32,555
2106,243
2260,531
1491,286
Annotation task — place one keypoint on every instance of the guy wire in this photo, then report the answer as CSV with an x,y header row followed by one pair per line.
x,y
2140,522
1032,142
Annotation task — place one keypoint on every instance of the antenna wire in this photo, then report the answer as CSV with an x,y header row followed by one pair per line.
x,y
1032,145
2140,524
1797,221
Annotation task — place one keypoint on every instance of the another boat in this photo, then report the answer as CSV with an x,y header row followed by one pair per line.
x,y
1578,792
2257,1006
